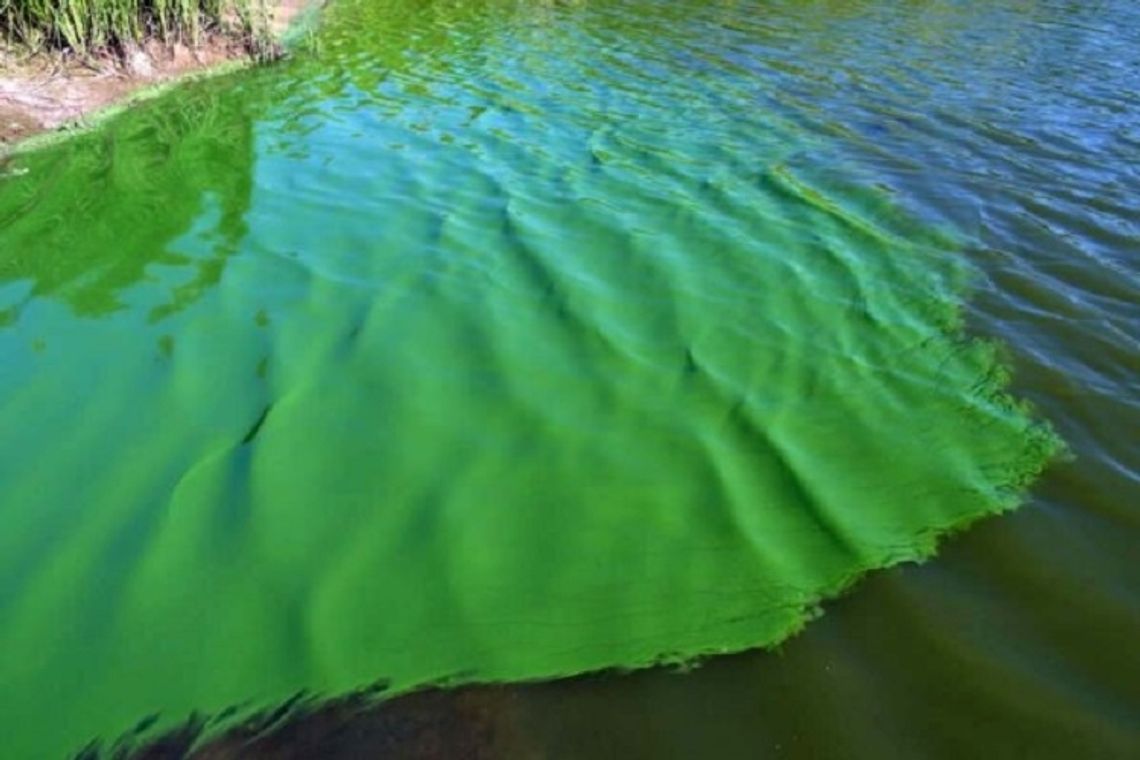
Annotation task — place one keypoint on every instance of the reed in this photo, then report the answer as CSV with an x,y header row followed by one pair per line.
x,y
84,26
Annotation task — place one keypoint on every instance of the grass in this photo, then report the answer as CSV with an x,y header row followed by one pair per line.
x,y
86,26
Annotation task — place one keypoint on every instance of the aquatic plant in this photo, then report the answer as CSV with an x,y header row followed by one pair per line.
x,y
83,26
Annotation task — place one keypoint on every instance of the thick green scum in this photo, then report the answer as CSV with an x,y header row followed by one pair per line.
x,y
482,343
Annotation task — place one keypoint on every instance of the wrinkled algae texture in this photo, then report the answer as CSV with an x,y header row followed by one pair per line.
x,y
449,352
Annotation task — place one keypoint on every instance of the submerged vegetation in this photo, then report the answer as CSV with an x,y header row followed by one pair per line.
x,y
85,26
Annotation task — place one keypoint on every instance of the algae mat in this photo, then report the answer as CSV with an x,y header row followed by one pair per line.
x,y
480,342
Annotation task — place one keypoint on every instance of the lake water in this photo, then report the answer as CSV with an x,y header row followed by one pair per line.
x,y
493,342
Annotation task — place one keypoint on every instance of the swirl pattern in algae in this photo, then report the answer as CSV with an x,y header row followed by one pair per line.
x,y
481,342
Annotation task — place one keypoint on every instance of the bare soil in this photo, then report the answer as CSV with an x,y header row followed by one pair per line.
x,y
48,91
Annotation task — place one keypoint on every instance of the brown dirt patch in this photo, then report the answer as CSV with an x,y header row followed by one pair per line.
x,y
43,92
46,92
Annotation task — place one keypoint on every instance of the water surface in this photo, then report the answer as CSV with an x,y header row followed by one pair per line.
x,y
506,341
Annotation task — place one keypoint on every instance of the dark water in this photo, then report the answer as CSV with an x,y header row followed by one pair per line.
x,y
501,341
1021,122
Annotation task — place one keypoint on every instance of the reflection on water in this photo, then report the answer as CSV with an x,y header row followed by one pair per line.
x,y
506,340
108,212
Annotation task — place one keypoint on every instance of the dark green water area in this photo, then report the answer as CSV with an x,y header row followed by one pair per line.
x,y
504,341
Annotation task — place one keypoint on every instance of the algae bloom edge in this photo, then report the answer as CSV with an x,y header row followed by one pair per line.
x,y
559,447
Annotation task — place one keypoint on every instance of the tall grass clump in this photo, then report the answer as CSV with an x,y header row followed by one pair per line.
x,y
84,26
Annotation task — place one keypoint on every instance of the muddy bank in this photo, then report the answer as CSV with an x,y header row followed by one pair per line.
x,y
52,91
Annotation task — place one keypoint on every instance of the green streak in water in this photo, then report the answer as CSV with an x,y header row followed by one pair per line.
x,y
480,344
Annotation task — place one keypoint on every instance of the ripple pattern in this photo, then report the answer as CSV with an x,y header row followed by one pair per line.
x,y
485,341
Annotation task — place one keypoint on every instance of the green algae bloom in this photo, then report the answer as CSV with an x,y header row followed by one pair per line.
x,y
487,343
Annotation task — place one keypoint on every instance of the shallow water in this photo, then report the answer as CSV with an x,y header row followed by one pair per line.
x,y
503,341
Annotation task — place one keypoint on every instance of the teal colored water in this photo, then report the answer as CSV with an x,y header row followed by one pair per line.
x,y
478,342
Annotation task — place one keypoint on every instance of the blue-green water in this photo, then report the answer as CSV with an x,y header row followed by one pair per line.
x,y
498,341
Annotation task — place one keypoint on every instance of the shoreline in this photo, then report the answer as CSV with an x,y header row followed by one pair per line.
x,y
48,97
